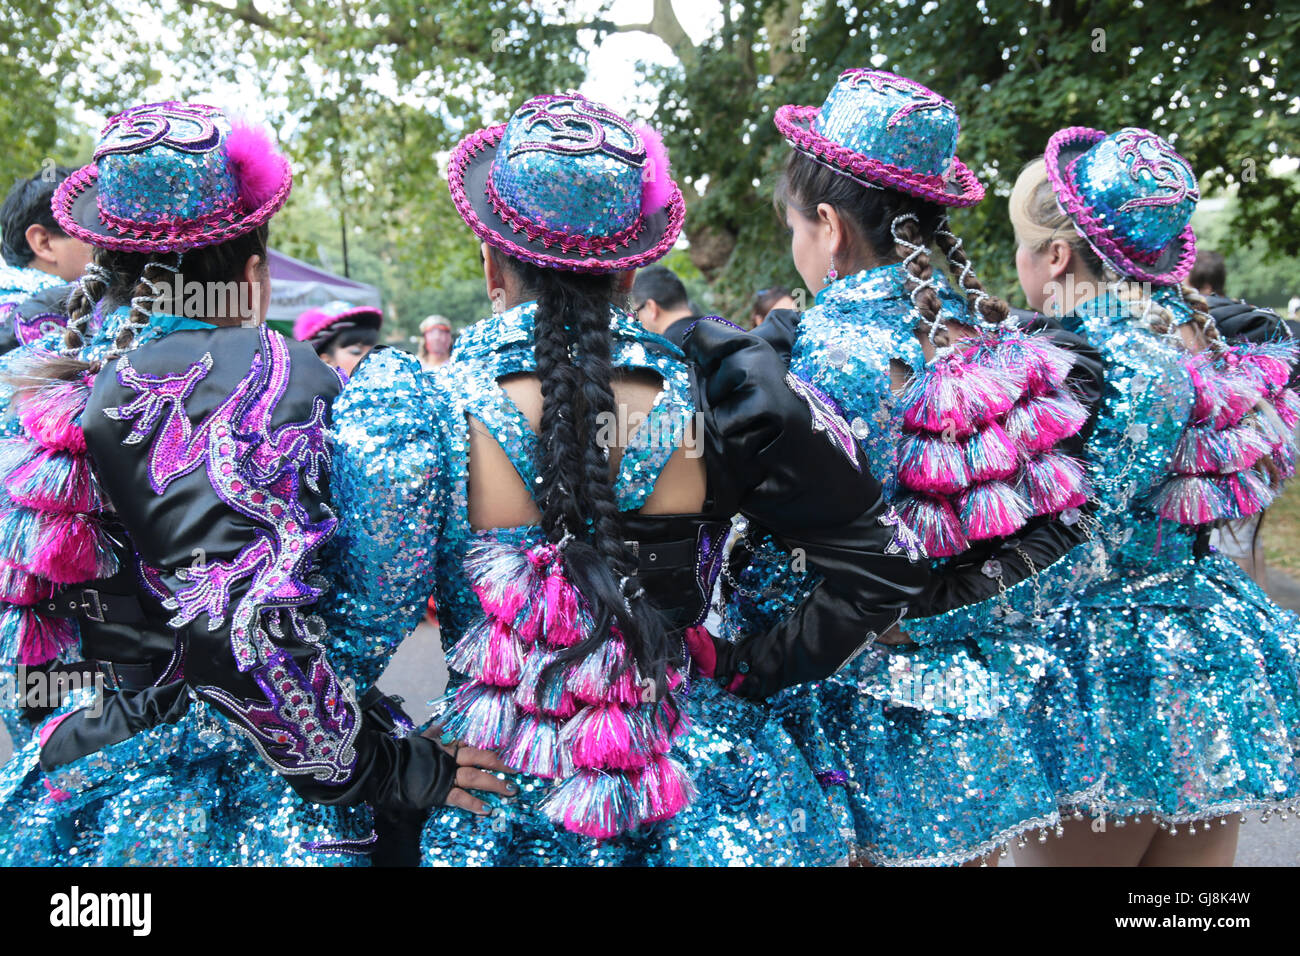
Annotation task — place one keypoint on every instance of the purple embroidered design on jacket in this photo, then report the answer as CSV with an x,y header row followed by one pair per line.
x,y
904,538
826,418
35,328
253,470
306,725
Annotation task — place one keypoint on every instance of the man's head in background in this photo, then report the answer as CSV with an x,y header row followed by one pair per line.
x,y
765,300
31,237
1209,275
659,299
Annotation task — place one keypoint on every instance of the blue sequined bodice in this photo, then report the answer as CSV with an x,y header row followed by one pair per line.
x,y
502,345
1145,406
401,475
846,342
844,346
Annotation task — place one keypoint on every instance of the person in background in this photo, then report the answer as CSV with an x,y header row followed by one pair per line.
x,y
765,300
435,342
341,333
661,304
38,257
1209,273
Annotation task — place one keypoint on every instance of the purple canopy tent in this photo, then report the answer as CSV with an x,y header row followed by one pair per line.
x,y
296,286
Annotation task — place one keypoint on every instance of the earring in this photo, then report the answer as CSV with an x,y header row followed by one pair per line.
x,y
832,275
498,306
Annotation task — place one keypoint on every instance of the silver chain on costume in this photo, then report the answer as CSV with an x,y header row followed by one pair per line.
x,y
143,306
80,325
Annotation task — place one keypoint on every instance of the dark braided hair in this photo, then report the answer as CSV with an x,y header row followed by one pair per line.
x,y
145,281
894,226
572,345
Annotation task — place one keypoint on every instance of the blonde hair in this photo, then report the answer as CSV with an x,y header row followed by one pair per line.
x,y
1038,219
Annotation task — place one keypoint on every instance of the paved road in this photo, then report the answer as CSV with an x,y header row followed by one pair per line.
x,y
418,674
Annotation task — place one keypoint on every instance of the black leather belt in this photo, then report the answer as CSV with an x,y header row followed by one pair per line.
x,y
656,555
116,676
94,605
127,676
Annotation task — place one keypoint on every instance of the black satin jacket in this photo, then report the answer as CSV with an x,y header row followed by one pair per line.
x,y
210,445
780,458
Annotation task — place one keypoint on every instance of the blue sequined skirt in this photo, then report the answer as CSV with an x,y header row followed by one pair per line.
x,y
758,804
1190,676
192,793
942,753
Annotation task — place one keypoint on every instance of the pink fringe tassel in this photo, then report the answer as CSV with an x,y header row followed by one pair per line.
x,y
993,509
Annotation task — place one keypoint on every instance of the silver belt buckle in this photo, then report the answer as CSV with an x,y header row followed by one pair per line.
x,y
91,605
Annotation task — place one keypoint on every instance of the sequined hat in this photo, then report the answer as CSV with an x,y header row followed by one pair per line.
x,y
318,325
1130,196
885,130
173,176
567,183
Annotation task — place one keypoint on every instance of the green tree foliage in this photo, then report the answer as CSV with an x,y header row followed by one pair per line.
x,y
375,94
1220,81
44,47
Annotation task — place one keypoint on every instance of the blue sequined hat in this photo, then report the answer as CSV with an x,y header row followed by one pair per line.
x,y
887,131
1131,196
173,176
567,183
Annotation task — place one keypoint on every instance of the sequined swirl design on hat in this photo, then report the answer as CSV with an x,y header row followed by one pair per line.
x,y
1131,196
568,183
173,176
885,130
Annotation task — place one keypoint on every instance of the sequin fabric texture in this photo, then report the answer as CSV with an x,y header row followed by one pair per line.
x,y
1106,176
589,159
400,484
941,752
1189,671
196,792
864,113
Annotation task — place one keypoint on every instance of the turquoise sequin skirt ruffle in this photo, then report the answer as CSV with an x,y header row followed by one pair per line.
x,y
938,754
758,804
192,793
1190,675
942,753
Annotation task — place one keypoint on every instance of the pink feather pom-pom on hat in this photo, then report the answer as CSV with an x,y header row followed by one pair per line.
x,y
256,162
224,177
656,175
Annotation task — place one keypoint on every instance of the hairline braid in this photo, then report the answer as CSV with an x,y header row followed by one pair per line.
x,y
991,309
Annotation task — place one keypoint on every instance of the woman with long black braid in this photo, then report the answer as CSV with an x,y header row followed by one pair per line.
x,y
573,563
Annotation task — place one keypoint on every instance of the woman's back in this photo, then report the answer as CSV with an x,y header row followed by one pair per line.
x,y
498,497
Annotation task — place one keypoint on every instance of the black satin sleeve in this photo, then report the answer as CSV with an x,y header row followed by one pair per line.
x,y
791,466
1042,541
1241,322
211,445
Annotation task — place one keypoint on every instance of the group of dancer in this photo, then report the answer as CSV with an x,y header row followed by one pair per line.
x,y
904,579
